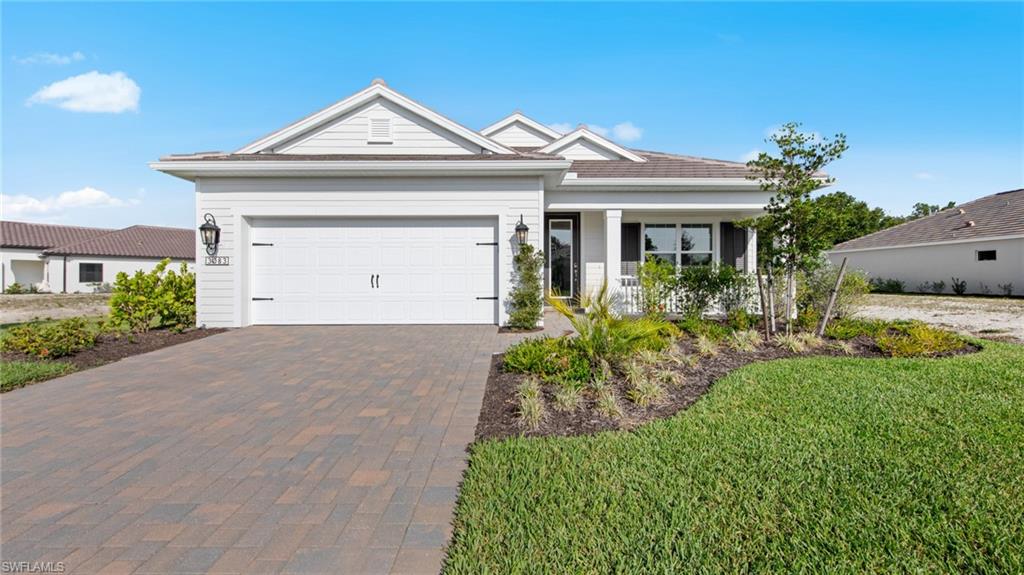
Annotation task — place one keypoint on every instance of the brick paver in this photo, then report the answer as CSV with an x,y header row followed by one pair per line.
x,y
333,449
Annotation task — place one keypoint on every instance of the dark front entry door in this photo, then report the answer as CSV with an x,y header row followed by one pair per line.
x,y
562,253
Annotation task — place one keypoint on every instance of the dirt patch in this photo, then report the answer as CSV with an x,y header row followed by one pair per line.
x,y
110,348
28,307
499,409
992,318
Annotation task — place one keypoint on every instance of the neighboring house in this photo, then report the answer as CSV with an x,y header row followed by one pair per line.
x,y
73,259
377,209
980,242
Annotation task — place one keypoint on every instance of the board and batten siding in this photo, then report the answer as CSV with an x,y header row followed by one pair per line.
x,y
223,291
592,253
350,134
915,265
517,135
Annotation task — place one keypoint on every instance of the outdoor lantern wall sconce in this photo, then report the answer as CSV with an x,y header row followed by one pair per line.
x,y
522,230
209,232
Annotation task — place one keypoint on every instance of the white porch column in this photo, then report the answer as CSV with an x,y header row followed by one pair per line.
x,y
613,249
751,264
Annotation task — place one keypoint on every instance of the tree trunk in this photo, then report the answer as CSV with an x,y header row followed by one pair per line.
x,y
764,305
832,299
790,304
771,300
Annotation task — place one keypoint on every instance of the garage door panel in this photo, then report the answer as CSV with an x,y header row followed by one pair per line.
x,y
320,271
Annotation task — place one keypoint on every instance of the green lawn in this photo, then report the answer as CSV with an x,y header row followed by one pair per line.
x,y
818,464
15,374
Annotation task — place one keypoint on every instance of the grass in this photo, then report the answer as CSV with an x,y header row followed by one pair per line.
x,y
822,464
15,374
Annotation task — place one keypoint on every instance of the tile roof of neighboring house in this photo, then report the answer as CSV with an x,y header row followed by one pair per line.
x,y
41,236
219,156
135,241
660,165
997,215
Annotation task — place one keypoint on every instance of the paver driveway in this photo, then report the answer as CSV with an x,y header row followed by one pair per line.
x,y
269,449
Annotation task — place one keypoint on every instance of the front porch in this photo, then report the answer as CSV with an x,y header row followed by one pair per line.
x,y
585,248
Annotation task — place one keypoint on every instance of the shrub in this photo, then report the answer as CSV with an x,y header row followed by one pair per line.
x,y
102,287
657,278
815,286
548,357
696,327
646,393
706,346
937,287
843,347
1007,289
159,297
959,286
14,289
740,319
886,285
531,404
48,340
919,340
526,300
607,404
849,328
984,289
668,377
566,398
790,342
746,340
698,287
810,340
634,373
602,337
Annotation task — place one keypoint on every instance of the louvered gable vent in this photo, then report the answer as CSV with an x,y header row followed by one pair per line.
x,y
380,131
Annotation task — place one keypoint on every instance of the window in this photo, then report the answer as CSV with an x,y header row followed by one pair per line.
x,y
90,273
678,244
986,255
380,131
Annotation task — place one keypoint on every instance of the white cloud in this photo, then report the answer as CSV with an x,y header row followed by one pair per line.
x,y
49,58
561,127
924,176
751,155
599,130
92,92
627,132
21,205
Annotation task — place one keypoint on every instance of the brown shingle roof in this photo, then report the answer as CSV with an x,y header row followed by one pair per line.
x,y
660,165
1000,214
42,236
136,241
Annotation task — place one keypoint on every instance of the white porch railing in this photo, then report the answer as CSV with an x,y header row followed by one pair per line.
x,y
633,301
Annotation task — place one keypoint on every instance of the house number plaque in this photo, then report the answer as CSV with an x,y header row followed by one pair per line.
x,y
218,260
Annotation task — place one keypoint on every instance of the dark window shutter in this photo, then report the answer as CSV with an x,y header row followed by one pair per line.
x,y
631,242
734,245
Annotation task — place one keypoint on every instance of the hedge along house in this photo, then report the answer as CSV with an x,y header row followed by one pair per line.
x,y
980,242
377,209
73,259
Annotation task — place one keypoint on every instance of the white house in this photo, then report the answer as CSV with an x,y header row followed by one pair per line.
x,y
980,242
73,259
377,209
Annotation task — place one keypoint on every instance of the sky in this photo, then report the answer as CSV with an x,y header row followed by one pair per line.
x,y
930,96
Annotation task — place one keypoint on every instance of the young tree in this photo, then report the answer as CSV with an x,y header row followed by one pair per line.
x,y
527,297
794,231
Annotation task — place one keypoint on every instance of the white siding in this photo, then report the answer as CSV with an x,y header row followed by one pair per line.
x,y
592,250
518,135
111,267
920,264
223,298
349,134
584,150
22,266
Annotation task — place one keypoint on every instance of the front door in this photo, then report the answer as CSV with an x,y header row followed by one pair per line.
x,y
562,254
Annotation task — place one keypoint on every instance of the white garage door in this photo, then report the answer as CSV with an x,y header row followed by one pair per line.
x,y
366,271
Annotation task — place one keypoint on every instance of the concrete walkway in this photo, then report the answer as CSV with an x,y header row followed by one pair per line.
x,y
264,450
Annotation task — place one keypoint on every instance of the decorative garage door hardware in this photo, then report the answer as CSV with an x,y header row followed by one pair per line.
x,y
484,297
487,243
262,299
261,244
375,281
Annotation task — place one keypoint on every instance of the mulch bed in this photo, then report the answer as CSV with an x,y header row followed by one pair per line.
x,y
499,410
111,348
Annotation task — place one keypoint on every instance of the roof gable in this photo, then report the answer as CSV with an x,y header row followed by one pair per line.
x,y
582,144
411,125
519,131
41,236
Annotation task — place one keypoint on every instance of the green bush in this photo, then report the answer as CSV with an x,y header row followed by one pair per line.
x,y
526,301
50,339
740,319
552,358
815,286
698,287
849,328
959,286
159,297
696,327
14,289
657,280
919,340
886,285
606,339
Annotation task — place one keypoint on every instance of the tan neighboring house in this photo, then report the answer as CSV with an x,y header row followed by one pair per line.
x,y
980,242
74,259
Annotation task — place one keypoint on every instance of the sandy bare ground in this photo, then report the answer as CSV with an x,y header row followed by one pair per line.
x,y
26,307
998,318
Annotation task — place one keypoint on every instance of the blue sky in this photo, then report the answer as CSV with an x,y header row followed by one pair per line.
x,y
931,96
